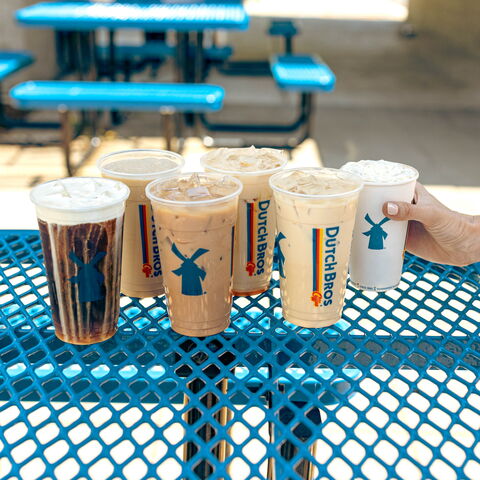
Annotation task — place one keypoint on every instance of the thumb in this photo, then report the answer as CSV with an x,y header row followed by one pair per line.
x,y
409,211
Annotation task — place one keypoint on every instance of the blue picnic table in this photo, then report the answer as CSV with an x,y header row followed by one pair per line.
x,y
192,17
390,391
153,16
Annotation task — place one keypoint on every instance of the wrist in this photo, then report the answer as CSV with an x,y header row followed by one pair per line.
x,y
471,236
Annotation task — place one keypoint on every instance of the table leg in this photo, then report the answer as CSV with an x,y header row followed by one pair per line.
x,y
168,128
182,57
115,114
199,58
303,433
66,134
205,430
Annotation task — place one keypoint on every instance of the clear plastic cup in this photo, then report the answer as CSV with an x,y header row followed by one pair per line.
x,y
314,234
378,244
196,238
81,225
141,264
253,255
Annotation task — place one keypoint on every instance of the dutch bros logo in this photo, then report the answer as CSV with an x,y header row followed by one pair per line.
x,y
257,215
147,268
324,243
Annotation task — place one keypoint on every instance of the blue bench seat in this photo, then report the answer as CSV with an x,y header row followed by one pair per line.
x,y
127,96
164,98
302,73
11,62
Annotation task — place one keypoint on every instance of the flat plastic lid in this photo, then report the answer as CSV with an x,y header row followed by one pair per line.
x,y
194,189
140,164
316,182
249,161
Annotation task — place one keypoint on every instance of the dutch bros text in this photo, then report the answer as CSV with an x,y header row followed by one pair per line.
x,y
324,244
151,268
257,219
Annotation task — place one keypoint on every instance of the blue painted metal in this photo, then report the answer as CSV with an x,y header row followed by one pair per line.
x,y
302,73
151,49
285,28
396,383
150,16
11,62
218,53
130,96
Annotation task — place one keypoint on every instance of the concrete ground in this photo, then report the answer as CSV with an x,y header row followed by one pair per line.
x,y
411,100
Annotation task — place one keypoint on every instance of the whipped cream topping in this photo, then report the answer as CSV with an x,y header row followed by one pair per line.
x,y
381,171
79,200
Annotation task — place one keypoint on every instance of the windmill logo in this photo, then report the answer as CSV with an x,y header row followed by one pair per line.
x,y
377,234
192,275
88,278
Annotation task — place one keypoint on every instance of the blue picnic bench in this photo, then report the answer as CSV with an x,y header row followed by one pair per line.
x,y
10,63
303,74
66,96
306,75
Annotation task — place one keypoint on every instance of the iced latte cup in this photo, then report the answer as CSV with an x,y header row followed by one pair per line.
x,y
81,225
253,257
195,216
141,265
315,218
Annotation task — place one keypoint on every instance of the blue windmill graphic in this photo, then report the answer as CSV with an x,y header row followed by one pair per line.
x,y
377,234
88,279
192,275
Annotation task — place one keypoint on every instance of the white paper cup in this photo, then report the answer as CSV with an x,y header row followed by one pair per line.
x,y
378,243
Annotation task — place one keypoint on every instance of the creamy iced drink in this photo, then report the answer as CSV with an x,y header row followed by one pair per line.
x,y
315,217
195,216
81,225
378,243
141,266
253,257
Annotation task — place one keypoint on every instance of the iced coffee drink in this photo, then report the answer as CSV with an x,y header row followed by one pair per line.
x,y
141,265
253,257
81,225
315,217
195,216
378,243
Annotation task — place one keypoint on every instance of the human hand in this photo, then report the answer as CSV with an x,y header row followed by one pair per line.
x,y
435,232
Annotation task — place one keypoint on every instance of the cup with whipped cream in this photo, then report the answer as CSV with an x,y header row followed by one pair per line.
x,y
378,244
81,227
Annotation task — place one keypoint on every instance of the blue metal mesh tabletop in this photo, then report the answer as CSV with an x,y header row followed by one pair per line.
x,y
391,391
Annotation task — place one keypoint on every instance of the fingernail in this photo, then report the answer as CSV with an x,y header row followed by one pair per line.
x,y
392,208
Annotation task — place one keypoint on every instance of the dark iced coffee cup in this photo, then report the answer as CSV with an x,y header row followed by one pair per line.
x,y
81,228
